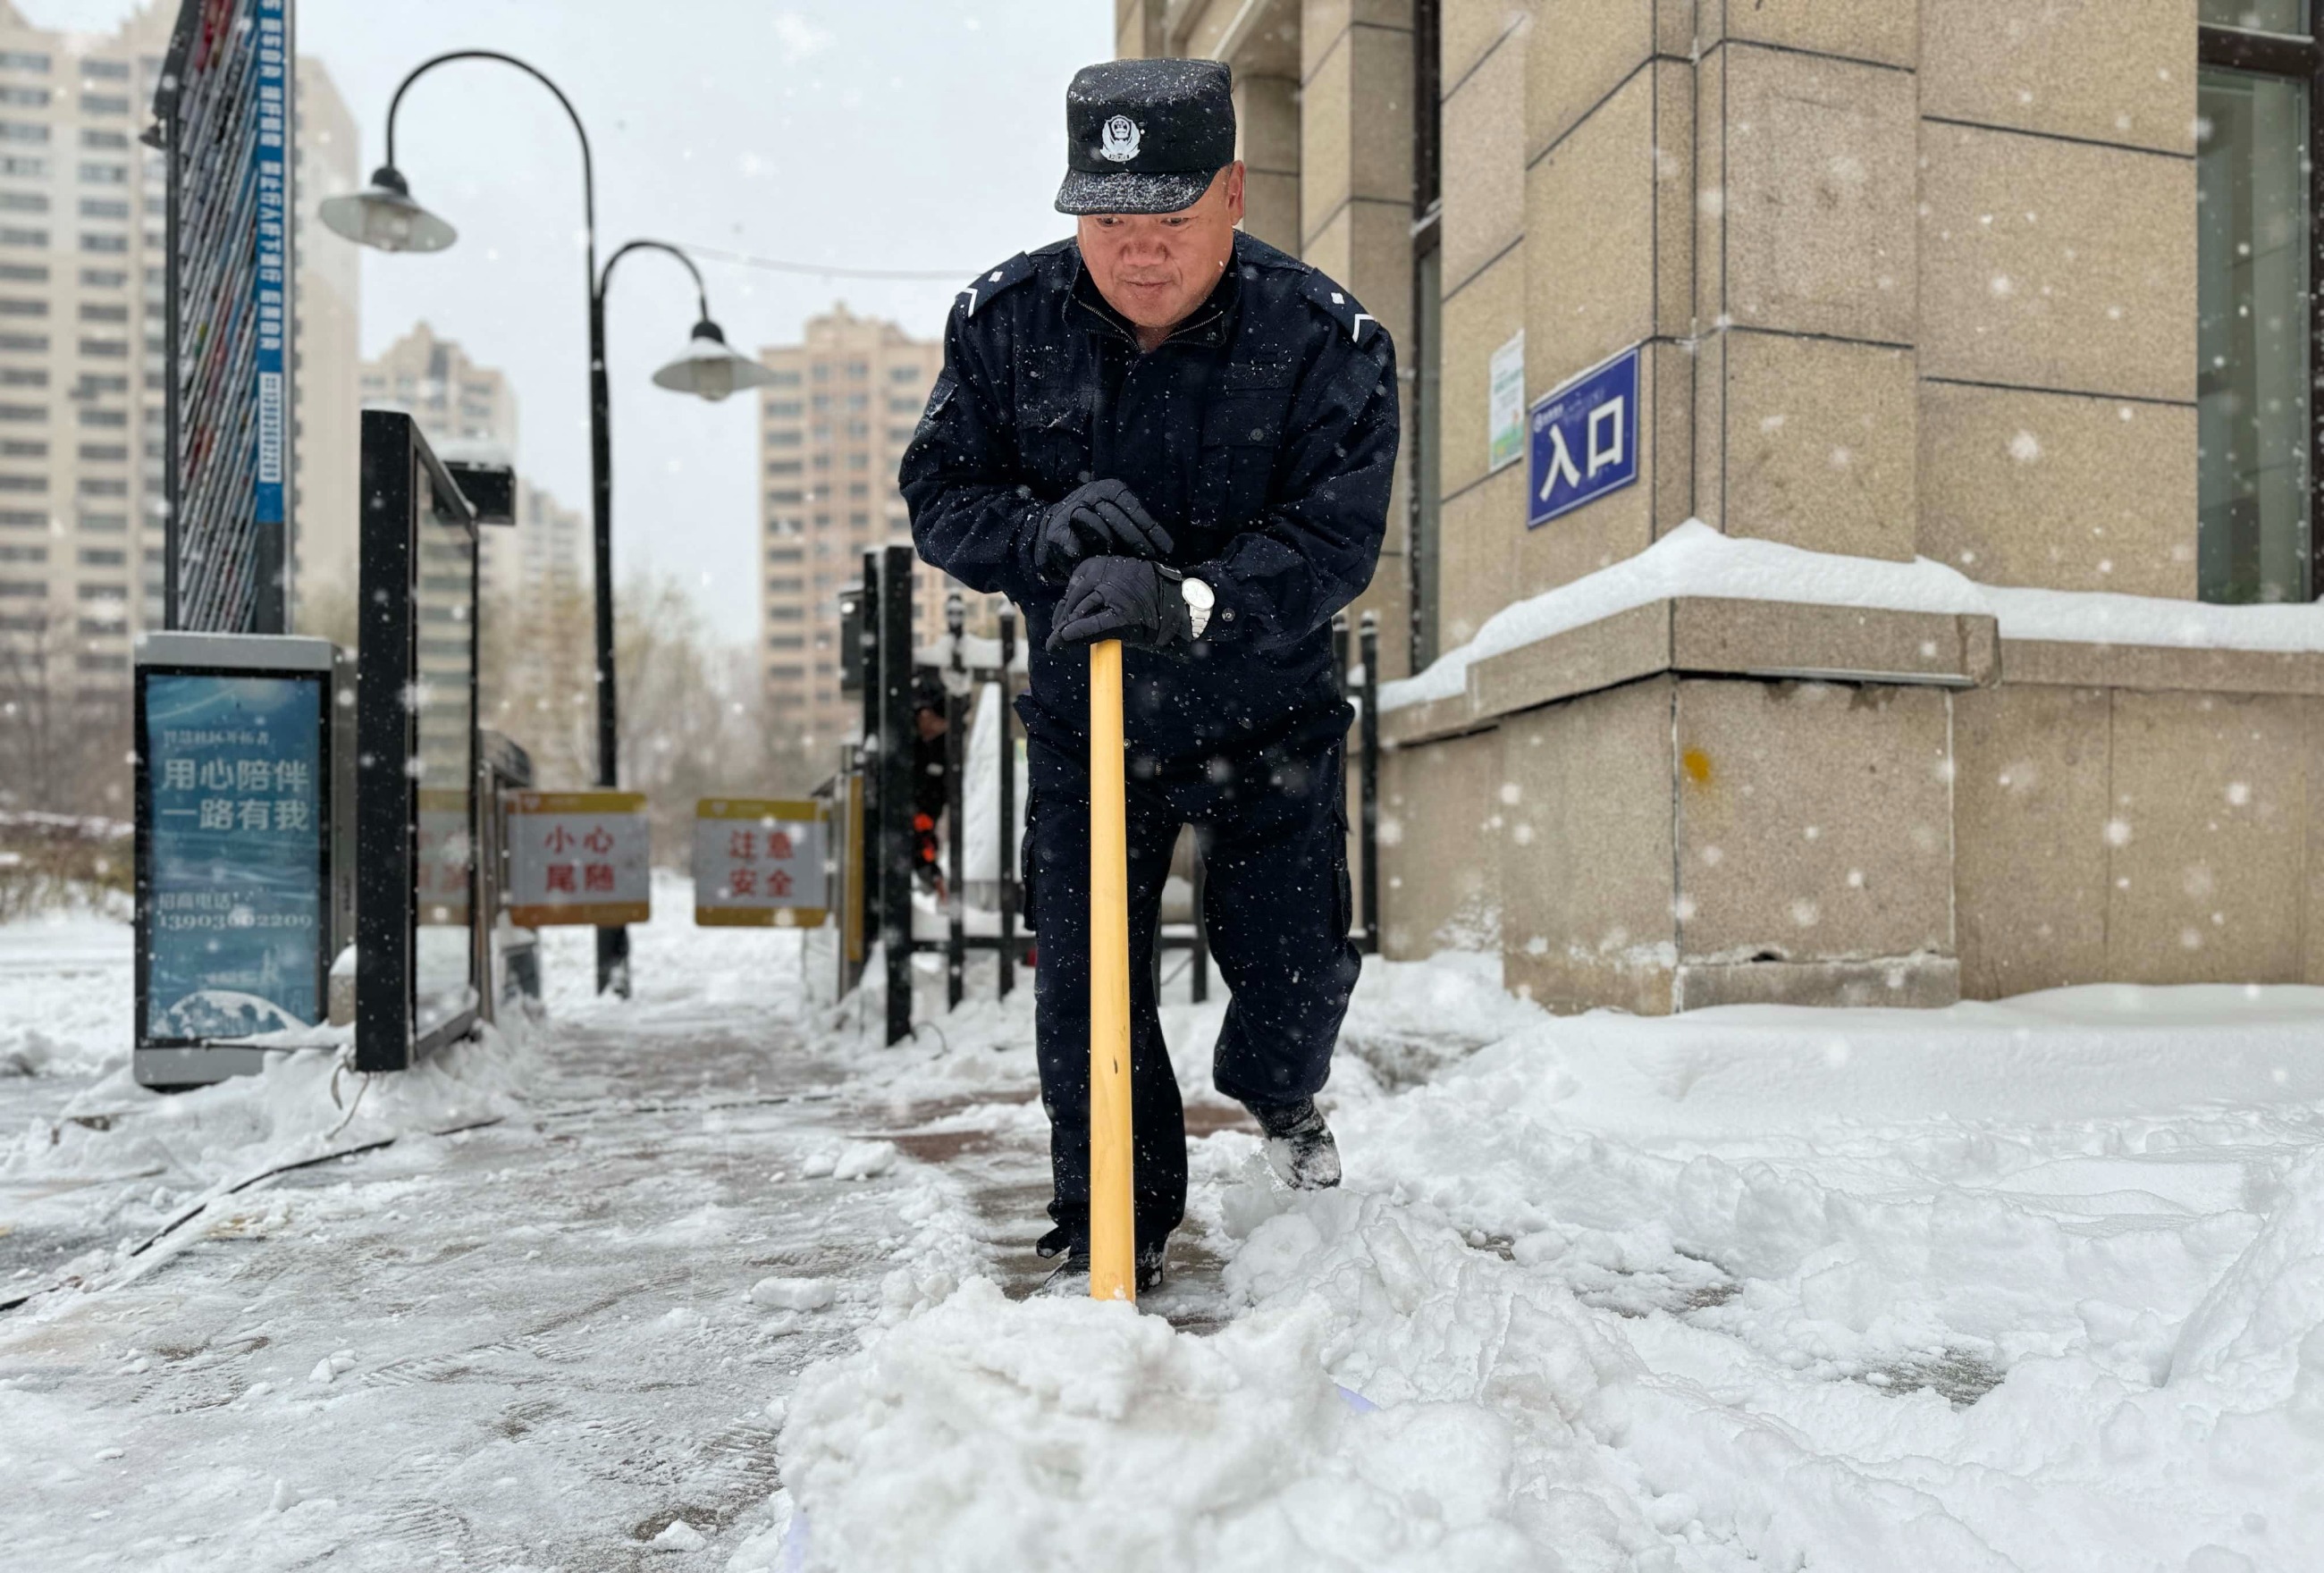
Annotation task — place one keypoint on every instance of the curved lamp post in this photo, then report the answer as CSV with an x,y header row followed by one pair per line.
x,y
384,216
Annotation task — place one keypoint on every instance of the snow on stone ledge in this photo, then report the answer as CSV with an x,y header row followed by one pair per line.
x,y
1695,559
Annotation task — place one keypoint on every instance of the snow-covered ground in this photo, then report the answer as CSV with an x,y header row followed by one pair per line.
x,y
2036,1285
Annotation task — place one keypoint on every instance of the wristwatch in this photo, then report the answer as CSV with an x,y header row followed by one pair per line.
x,y
1199,602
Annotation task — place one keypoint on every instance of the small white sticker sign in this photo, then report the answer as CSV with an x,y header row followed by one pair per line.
x,y
1505,411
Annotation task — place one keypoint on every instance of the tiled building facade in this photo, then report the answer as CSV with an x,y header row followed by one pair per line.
x,y
534,578
457,403
2023,291
82,322
468,411
324,507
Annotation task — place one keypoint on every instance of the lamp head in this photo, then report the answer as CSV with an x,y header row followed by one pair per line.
x,y
709,369
383,216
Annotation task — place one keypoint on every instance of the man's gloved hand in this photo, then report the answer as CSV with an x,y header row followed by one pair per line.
x,y
1138,604
1102,519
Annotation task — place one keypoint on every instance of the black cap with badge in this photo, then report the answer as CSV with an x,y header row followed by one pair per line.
x,y
1146,137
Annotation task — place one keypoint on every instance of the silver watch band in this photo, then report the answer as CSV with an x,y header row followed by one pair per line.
x,y
1198,613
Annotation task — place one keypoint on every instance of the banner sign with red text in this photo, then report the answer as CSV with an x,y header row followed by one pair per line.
x,y
759,861
579,858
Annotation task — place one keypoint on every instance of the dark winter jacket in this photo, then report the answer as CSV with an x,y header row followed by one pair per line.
x,y
1262,434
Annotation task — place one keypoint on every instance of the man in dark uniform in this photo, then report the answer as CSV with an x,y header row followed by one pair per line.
x,y
1166,432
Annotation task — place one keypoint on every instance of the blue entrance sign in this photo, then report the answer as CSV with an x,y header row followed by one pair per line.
x,y
236,771
1584,438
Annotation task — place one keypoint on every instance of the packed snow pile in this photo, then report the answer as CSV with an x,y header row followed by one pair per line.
x,y
1694,559
117,1162
303,1101
1062,1432
2033,1286
65,974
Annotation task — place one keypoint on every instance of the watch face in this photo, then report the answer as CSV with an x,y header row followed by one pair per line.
x,y
1198,594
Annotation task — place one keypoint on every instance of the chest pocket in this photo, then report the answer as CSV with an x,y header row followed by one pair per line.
x,y
1053,442
1242,437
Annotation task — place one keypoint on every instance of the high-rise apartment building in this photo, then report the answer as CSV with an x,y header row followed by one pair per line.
x,y
82,322
468,411
537,571
459,405
328,344
833,426
546,556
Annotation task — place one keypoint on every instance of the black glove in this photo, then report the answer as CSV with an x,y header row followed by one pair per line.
x,y
1103,518
1138,604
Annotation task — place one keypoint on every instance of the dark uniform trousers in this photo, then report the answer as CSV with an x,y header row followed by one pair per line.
x,y
1273,833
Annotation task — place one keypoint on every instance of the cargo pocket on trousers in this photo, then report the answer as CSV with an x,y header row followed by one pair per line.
x,y
1027,862
1344,890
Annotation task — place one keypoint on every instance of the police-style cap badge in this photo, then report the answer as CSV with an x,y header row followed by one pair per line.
x,y
1146,137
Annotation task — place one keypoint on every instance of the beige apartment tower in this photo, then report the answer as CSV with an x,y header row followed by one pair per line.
x,y
82,324
457,403
2023,291
534,578
468,411
834,423
328,344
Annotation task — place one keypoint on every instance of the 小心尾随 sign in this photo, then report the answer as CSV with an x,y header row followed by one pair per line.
x,y
1584,440
759,861
579,858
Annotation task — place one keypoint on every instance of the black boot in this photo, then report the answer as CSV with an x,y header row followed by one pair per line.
x,y
1299,1144
1070,1274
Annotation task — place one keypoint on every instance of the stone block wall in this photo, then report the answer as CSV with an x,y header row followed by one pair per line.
x,y
1681,841
2118,832
1914,279
1642,813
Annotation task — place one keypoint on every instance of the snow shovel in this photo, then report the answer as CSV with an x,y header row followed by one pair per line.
x,y
1112,1229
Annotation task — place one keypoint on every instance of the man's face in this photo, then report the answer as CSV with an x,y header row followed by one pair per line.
x,y
1156,268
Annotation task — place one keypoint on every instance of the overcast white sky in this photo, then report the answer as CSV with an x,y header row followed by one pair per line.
x,y
895,133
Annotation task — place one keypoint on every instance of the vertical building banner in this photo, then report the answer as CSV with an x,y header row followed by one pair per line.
x,y
225,116
270,279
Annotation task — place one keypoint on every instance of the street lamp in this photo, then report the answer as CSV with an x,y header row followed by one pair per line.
x,y
383,216
708,369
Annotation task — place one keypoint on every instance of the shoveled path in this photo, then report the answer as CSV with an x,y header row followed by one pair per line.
x,y
528,1346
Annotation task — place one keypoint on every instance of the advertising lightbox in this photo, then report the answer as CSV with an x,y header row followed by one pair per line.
x,y
238,914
